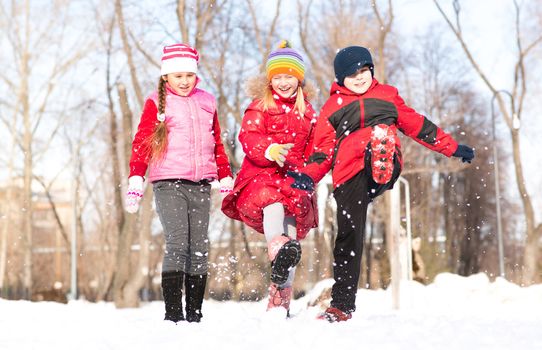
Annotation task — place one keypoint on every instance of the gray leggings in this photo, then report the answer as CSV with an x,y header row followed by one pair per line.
x,y
183,207
275,224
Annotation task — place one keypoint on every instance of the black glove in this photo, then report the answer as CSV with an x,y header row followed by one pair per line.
x,y
465,153
301,181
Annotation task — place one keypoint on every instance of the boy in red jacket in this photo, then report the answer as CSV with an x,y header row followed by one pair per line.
x,y
356,137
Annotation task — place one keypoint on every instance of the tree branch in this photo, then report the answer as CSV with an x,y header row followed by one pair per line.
x,y
145,54
54,209
128,52
183,26
459,36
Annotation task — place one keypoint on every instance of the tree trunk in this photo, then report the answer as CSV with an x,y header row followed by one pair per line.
x,y
127,282
6,227
141,273
532,251
28,164
6,209
125,223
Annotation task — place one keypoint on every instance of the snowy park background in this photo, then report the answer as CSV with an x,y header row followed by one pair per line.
x,y
73,80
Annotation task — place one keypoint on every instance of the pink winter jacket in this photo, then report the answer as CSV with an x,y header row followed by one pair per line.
x,y
195,151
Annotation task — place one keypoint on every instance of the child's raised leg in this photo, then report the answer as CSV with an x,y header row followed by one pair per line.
x,y
284,253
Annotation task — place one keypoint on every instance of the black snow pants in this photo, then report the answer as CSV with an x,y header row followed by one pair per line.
x,y
353,198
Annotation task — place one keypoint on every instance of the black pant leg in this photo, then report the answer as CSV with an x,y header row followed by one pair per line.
x,y
352,201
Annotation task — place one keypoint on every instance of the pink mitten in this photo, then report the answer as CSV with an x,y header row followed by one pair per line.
x,y
226,186
134,193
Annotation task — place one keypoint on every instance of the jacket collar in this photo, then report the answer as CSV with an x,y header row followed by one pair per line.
x,y
289,100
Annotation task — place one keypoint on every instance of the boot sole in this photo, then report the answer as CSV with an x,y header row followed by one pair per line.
x,y
288,256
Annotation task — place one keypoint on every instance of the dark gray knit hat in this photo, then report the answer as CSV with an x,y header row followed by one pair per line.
x,y
349,60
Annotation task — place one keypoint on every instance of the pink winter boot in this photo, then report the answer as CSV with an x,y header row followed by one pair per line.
x,y
382,151
279,296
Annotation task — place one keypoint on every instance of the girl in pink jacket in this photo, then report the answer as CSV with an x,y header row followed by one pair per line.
x,y
178,140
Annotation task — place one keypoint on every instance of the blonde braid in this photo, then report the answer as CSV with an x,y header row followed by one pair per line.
x,y
161,95
159,139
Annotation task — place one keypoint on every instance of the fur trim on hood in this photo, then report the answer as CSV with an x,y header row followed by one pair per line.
x,y
256,86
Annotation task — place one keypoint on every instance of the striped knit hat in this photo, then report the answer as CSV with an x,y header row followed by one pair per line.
x,y
285,60
179,58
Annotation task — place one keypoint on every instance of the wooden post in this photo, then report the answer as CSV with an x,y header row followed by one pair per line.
x,y
393,227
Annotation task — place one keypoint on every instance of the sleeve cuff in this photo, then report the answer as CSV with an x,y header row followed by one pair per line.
x,y
138,168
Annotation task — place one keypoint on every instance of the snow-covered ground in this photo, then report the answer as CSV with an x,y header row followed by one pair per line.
x,y
452,313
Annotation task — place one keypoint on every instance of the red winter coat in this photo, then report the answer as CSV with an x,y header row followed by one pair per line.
x,y
262,182
344,129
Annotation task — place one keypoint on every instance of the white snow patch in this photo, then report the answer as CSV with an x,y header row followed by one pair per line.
x,y
452,313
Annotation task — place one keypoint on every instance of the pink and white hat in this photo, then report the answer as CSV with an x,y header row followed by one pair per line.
x,y
179,58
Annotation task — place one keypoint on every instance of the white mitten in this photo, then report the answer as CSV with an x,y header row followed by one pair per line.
x,y
226,186
134,193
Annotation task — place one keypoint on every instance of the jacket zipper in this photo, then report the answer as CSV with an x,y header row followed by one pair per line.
x,y
336,150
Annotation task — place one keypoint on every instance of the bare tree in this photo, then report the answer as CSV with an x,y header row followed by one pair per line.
x,y
385,22
128,51
321,35
31,39
127,280
512,114
7,209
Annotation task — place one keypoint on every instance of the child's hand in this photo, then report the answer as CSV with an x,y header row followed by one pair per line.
x,y
134,193
465,153
226,186
301,181
277,152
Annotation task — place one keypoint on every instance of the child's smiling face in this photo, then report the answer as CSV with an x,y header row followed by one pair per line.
x,y
360,81
182,82
284,84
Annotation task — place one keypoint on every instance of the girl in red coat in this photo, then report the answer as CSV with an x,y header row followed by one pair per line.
x,y
276,136
356,137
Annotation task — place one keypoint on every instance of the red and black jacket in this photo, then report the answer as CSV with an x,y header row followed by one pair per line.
x,y
343,130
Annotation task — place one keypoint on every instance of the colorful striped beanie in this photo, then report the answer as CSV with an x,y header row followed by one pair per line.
x,y
179,58
285,60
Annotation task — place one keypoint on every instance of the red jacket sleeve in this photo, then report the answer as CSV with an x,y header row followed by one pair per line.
x,y
139,160
222,161
310,140
321,157
254,138
422,130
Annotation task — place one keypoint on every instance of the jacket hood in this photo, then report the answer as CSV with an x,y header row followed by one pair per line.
x,y
256,86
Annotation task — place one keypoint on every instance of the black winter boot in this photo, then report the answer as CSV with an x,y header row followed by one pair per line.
x,y
195,289
172,284
287,257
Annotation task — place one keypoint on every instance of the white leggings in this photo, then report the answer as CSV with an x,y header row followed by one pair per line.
x,y
275,224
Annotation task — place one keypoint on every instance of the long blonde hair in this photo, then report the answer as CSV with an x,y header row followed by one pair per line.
x,y
157,142
268,101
